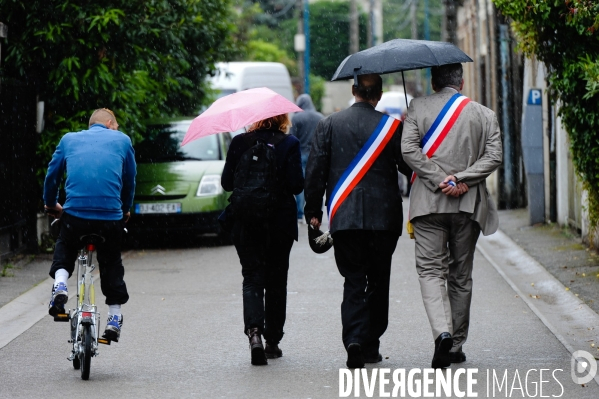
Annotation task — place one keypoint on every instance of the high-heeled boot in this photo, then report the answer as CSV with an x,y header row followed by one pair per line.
x,y
256,347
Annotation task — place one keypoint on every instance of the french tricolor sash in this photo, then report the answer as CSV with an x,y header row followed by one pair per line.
x,y
362,163
442,125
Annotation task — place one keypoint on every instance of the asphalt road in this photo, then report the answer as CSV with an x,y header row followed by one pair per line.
x,y
183,336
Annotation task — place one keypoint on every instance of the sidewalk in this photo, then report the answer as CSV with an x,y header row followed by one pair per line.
x,y
559,250
22,273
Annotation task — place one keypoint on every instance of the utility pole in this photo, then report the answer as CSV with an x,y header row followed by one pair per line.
x,y
300,44
427,36
417,75
353,27
307,51
377,31
370,25
451,21
413,7
444,23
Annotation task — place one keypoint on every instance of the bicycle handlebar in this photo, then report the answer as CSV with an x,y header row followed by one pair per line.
x,y
54,213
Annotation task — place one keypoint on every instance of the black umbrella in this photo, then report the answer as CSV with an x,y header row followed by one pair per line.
x,y
399,55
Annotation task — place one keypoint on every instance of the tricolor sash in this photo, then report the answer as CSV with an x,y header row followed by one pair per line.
x,y
442,125
437,133
362,163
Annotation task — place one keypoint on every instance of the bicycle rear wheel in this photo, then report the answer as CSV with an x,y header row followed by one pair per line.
x,y
86,354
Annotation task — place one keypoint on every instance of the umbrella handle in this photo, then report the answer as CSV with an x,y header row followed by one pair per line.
x,y
356,75
404,89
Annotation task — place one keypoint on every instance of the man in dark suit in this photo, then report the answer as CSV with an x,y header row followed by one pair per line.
x,y
367,223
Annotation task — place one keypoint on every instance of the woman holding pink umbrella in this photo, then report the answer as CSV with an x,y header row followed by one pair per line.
x,y
264,171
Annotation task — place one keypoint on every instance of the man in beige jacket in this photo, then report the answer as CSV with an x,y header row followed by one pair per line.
x,y
449,201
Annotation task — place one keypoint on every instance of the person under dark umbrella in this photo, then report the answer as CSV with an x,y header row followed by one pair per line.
x,y
263,240
304,124
355,158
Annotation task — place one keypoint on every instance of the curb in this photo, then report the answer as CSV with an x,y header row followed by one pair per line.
x,y
572,322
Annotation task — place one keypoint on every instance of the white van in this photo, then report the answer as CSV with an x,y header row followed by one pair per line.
x,y
232,77
394,103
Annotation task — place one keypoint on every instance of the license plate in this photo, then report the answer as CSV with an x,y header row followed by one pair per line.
x,y
169,207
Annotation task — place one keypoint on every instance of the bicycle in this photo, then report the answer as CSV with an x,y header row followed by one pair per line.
x,y
85,319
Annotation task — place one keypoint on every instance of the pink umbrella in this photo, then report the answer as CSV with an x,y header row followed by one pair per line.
x,y
232,112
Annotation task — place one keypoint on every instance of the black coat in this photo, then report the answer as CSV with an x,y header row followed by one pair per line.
x,y
290,177
375,203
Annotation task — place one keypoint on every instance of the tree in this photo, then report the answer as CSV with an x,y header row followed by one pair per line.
x,y
142,58
259,50
329,36
329,31
563,35
275,11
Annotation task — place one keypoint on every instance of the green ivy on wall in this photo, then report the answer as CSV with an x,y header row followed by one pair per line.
x,y
564,35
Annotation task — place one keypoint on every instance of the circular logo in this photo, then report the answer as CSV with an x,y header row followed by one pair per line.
x,y
583,367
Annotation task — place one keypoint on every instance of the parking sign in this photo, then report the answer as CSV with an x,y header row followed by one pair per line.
x,y
535,97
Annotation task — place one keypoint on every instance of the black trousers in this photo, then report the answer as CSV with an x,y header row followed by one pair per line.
x,y
264,257
108,253
364,259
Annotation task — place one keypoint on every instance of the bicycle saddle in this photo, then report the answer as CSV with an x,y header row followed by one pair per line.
x,y
93,239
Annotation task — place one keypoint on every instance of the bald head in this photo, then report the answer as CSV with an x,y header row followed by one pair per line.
x,y
105,117
370,88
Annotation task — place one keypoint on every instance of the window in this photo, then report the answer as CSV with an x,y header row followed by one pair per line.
x,y
162,143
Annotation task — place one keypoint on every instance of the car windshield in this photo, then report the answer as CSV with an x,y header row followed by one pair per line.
x,y
162,143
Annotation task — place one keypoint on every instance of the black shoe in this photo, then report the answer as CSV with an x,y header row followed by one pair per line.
x,y
355,358
256,347
373,359
457,357
273,351
443,344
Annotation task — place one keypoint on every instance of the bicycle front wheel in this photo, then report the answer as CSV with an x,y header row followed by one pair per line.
x,y
86,354
74,321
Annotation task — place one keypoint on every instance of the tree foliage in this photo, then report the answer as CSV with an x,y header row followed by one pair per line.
x,y
329,35
259,50
563,34
142,58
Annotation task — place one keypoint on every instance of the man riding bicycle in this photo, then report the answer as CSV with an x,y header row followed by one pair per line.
x,y
100,184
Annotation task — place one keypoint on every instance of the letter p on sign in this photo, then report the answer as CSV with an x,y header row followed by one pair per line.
x,y
535,97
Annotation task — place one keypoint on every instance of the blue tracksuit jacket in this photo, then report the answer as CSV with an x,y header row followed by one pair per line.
x,y
100,167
